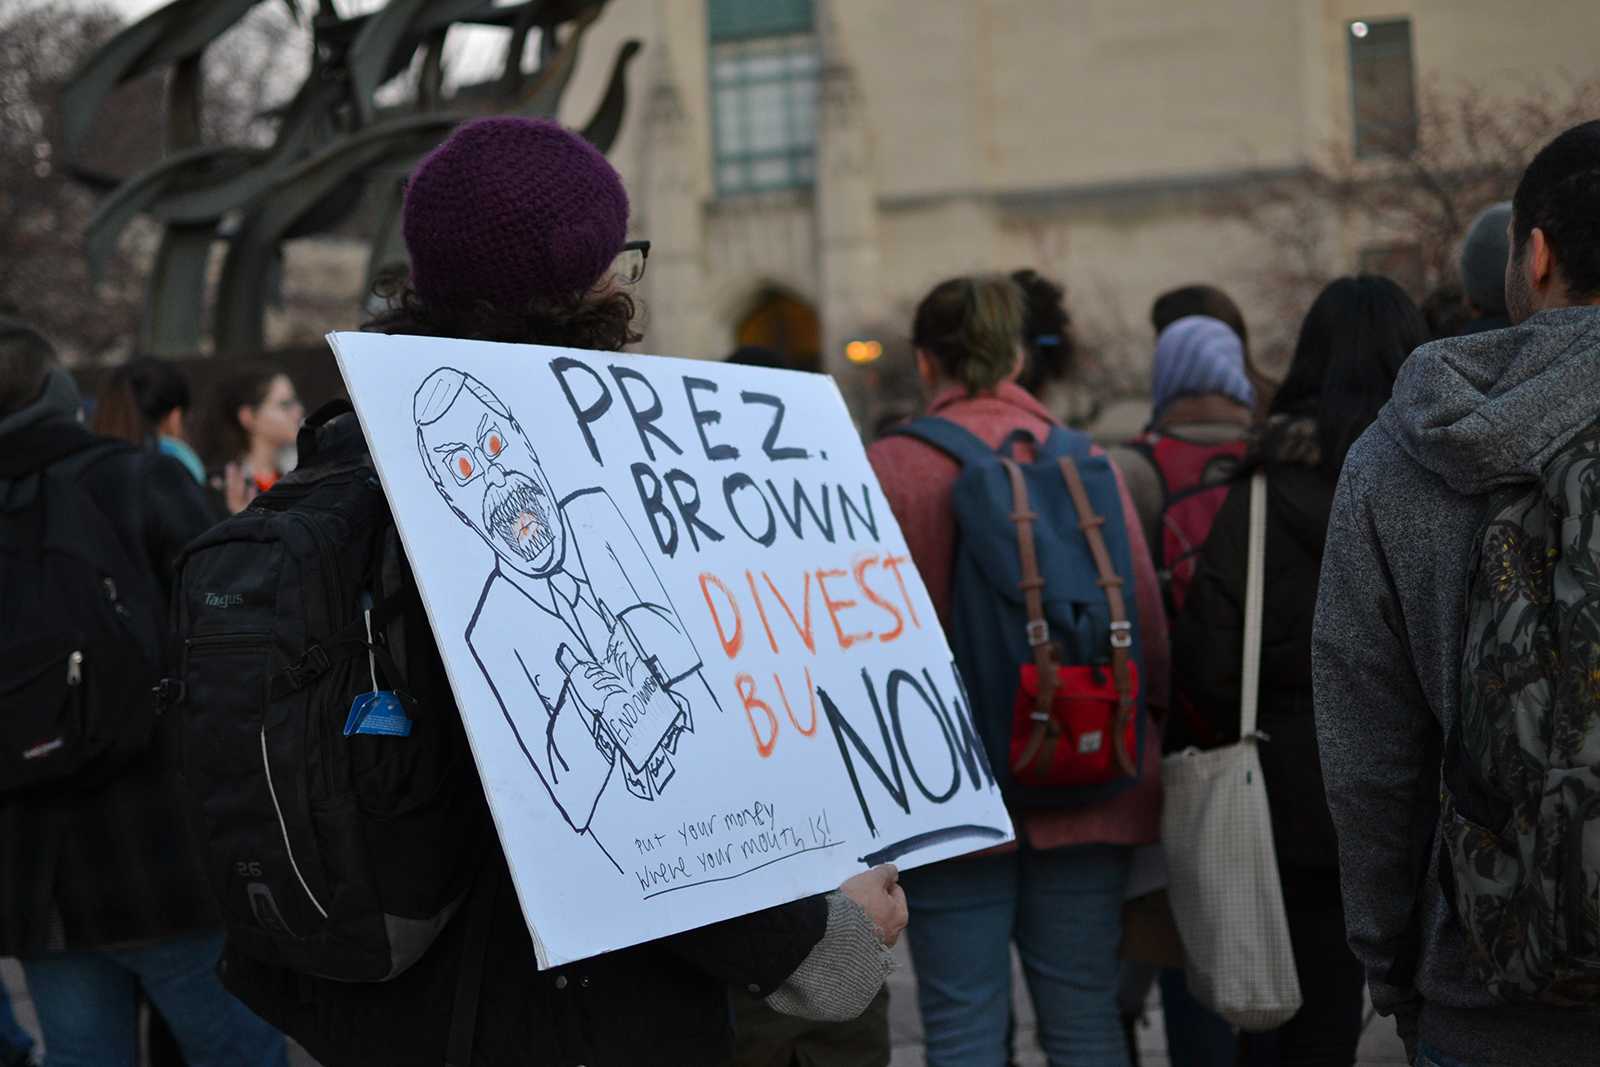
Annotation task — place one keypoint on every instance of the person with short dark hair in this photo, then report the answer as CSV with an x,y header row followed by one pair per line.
x,y
1469,417
101,895
1207,300
145,401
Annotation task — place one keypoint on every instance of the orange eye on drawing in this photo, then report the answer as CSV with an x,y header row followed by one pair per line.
x,y
462,465
494,445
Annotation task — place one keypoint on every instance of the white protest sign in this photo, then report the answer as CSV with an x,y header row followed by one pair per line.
x,y
699,673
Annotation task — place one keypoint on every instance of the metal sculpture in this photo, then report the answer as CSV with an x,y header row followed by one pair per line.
x,y
332,144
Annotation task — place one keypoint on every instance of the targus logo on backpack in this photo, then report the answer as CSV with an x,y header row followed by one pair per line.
x,y
224,600
42,750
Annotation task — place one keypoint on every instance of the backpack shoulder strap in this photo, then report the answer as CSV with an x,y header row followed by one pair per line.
x,y
1065,444
954,440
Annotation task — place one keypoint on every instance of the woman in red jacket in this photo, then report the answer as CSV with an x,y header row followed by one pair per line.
x,y
1058,893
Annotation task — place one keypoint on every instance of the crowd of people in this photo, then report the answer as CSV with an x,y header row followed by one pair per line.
x,y
1428,711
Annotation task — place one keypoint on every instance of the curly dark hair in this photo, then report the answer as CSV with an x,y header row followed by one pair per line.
x,y
580,321
1046,331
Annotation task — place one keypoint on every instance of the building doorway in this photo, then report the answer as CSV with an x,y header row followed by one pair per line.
x,y
786,325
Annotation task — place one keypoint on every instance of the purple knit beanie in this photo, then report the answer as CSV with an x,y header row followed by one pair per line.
x,y
509,210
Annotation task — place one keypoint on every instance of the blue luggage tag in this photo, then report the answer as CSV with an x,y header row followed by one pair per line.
x,y
382,712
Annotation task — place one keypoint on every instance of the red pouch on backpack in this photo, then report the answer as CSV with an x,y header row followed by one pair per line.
x,y
1083,742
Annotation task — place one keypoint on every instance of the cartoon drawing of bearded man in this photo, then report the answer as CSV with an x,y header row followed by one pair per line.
x,y
588,658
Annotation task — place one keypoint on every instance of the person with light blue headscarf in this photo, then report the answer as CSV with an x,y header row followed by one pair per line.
x,y
1201,403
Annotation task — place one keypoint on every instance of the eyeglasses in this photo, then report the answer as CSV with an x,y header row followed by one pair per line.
x,y
465,462
628,267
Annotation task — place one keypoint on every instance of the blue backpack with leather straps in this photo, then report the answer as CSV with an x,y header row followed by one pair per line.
x,y
1042,621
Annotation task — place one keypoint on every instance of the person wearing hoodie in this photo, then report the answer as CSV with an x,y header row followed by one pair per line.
x,y
1352,343
101,895
1469,415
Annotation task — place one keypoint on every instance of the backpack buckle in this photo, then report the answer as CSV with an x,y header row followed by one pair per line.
x,y
308,667
1038,633
169,692
1122,635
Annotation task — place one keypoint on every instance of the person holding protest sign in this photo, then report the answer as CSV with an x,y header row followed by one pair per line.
x,y
1058,893
516,230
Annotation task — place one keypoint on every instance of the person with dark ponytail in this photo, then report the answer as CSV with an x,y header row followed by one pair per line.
x,y
1057,894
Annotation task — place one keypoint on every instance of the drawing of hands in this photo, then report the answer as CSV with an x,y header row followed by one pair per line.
x,y
581,754
595,687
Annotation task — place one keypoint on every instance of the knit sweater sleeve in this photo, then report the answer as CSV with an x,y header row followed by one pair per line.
x,y
1373,727
843,972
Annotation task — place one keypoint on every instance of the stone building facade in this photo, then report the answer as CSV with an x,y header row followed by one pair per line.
x,y
806,169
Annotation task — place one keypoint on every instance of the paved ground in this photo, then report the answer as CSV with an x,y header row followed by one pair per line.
x,y
1379,1046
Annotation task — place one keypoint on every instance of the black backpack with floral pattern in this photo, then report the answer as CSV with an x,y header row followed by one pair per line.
x,y
1521,774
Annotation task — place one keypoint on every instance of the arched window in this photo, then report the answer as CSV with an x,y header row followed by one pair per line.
x,y
785,325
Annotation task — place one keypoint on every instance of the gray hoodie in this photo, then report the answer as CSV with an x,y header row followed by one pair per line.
x,y
1469,415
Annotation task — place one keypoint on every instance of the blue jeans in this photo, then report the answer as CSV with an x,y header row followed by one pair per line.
x,y
88,1004
14,1040
1063,908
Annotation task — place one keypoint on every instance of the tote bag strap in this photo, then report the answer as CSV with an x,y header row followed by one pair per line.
x,y
1254,593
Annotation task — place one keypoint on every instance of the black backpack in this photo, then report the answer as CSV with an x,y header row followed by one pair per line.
x,y
332,853
80,620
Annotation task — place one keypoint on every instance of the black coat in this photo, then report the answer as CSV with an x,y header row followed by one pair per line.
x,y
1208,647
110,865
663,1004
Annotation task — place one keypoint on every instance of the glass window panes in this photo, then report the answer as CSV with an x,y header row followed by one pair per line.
x,y
770,173
1382,88
764,95
766,112
757,67
730,123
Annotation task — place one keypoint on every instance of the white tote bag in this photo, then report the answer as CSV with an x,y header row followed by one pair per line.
x,y
1217,830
